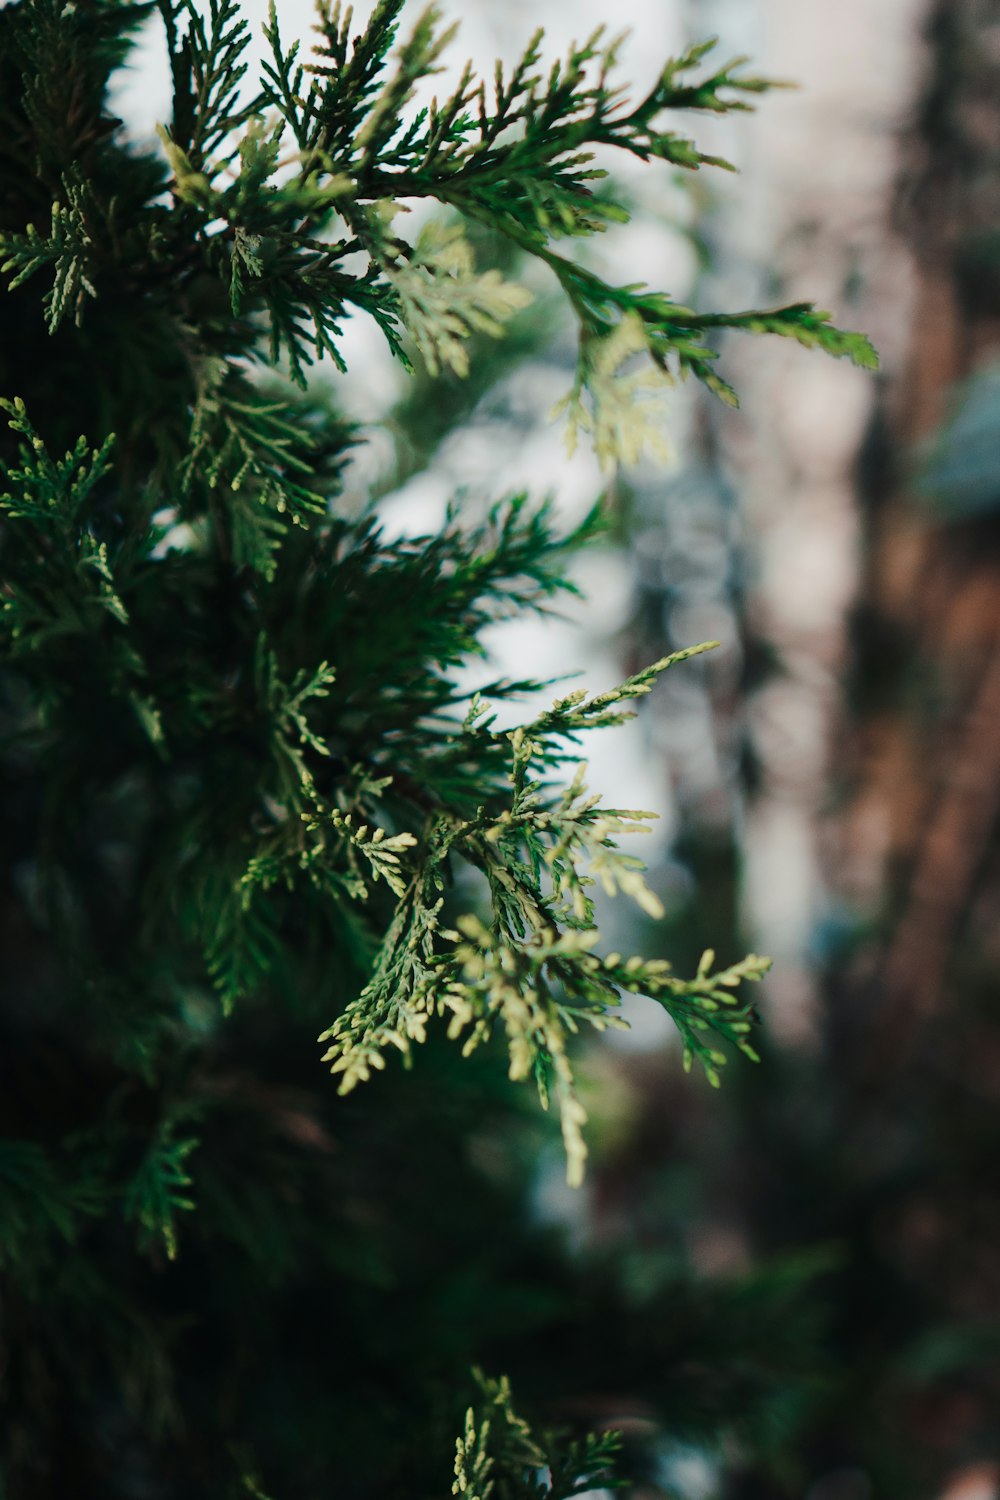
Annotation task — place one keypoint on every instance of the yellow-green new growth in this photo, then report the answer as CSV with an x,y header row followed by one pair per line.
x,y
444,300
531,970
383,852
497,1452
621,408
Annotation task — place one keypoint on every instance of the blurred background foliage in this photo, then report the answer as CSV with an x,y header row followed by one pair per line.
x,y
872,1128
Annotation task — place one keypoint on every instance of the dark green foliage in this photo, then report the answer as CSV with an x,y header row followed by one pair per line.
x,y
243,797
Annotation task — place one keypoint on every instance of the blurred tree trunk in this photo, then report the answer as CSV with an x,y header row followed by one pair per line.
x,y
923,738
914,851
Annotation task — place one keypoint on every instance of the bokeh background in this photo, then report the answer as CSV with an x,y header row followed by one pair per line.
x,y
829,780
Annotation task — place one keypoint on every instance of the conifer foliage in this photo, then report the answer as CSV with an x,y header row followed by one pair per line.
x,y
241,784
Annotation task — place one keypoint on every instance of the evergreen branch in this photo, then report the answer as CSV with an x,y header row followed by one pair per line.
x,y
618,323
499,1457
521,162
443,301
537,177
532,969
50,499
158,1191
59,65
327,118
382,853
239,940
245,449
285,706
66,249
50,493
417,59
800,321
207,69
577,711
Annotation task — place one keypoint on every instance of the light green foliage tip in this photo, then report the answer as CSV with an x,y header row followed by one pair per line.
x,y
531,971
499,1457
